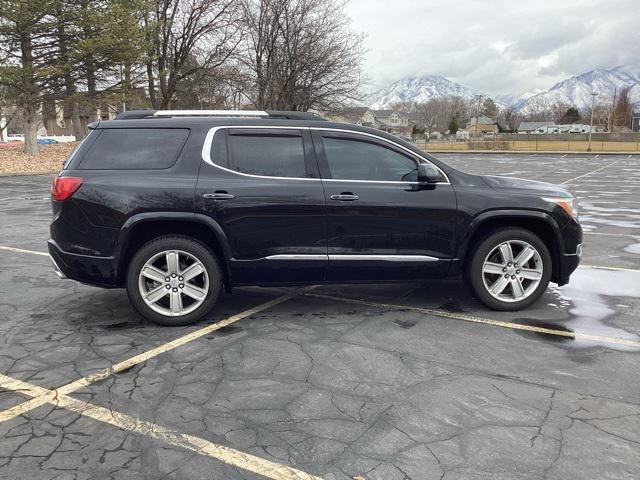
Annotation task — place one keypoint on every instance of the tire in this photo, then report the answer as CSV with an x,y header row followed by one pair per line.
x,y
495,277
188,298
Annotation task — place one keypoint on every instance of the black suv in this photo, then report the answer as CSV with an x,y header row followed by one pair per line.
x,y
176,205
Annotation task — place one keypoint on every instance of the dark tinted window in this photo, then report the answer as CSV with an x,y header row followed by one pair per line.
x,y
268,155
360,160
75,154
135,148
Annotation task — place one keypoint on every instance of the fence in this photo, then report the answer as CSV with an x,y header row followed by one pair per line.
x,y
534,146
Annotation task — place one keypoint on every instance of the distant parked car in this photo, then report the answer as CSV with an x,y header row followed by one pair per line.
x,y
46,141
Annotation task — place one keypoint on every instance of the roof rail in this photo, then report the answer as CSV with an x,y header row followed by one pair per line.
x,y
288,115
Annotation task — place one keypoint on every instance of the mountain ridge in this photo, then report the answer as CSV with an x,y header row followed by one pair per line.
x,y
573,91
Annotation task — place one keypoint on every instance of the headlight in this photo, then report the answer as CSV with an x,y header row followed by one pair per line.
x,y
568,204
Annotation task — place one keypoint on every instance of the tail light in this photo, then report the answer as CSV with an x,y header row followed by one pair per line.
x,y
63,187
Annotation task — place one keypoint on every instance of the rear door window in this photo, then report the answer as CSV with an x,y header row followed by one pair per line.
x,y
267,153
135,148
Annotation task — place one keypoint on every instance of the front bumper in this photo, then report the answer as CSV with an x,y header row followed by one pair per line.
x,y
96,271
568,264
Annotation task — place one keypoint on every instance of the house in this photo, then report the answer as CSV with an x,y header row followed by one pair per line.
x,y
391,121
531,127
635,121
481,125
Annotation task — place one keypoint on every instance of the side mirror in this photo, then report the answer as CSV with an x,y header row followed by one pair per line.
x,y
428,173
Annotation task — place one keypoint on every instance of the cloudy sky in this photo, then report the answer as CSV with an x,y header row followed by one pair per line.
x,y
496,46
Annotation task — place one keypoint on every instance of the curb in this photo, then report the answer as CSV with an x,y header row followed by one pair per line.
x,y
534,152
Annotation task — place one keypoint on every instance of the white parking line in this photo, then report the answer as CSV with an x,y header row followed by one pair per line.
x,y
589,173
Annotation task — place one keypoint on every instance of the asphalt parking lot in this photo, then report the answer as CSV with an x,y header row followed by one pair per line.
x,y
411,381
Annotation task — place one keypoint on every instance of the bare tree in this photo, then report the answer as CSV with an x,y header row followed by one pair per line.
x,y
429,113
558,111
186,37
509,118
299,54
537,109
623,109
407,106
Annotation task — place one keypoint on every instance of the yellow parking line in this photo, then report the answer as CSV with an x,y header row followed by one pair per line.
x,y
485,321
22,250
616,269
230,456
137,359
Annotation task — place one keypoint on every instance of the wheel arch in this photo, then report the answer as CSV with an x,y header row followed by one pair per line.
x,y
540,223
142,228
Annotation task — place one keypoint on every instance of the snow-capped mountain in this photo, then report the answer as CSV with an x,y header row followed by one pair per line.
x,y
417,89
576,91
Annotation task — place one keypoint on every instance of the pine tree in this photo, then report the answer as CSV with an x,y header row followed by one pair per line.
x,y
453,126
27,31
572,115
489,108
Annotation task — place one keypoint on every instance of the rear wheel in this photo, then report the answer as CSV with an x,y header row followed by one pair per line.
x,y
510,269
174,280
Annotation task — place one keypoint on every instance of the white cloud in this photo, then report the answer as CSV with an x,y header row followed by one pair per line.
x,y
497,46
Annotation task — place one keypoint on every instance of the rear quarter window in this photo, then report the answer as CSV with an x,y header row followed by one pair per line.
x,y
135,149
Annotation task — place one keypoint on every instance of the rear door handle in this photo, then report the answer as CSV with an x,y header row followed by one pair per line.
x,y
218,196
345,197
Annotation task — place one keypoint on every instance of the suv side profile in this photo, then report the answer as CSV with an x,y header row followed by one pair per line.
x,y
177,205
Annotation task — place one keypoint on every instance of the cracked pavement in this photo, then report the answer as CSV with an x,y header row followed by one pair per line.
x,y
336,389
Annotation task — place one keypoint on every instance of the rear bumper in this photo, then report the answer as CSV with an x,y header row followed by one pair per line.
x,y
97,271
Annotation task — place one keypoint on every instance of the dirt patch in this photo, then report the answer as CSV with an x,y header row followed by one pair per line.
x,y
48,160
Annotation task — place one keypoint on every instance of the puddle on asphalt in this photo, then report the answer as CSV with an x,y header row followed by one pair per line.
x,y
405,323
586,298
633,248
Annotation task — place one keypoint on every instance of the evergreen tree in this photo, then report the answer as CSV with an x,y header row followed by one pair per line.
x,y
27,39
453,126
572,115
489,108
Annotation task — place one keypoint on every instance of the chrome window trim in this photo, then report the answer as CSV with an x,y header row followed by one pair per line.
x,y
206,154
411,152
206,150
358,257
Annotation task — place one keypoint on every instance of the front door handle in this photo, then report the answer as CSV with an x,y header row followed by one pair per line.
x,y
345,197
221,195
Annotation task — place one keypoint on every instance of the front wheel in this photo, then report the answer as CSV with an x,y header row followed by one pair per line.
x,y
174,280
510,269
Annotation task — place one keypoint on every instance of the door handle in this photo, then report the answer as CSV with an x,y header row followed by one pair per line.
x,y
221,195
345,197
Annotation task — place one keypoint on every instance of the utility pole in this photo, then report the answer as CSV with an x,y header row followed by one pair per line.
x,y
613,107
478,112
593,102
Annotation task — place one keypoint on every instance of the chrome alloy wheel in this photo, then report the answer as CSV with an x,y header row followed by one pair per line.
x,y
173,283
512,271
